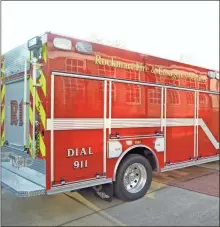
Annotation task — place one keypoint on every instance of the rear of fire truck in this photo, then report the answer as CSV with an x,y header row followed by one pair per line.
x,y
22,111
35,159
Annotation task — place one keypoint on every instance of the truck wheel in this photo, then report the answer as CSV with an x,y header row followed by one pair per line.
x,y
134,178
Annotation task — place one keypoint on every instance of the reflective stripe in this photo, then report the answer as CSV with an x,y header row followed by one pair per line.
x,y
44,52
42,144
38,102
2,138
2,108
3,115
2,69
3,92
42,81
98,123
30,144
209,133
30,115
40,95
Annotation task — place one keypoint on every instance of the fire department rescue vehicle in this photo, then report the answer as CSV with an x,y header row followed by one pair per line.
x,y
77,114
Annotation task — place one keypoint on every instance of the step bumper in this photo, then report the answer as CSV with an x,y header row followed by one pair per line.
x,y
20,186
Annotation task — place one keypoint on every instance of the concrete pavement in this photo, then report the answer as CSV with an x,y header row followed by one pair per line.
x,y
166,203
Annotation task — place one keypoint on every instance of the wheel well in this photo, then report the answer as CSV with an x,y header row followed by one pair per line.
x,y
145,152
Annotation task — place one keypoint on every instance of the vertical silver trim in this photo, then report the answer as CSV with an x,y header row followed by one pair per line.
x,y
165,126
34,107
25,103
110,107
162,107
52,130
195,122
104,130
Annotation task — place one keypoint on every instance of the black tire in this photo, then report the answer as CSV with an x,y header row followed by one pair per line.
x,y
119,188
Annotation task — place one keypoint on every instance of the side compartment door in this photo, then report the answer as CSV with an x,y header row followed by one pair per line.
x,y
208,130
180,126
77,138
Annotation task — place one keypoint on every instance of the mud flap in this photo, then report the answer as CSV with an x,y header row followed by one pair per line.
x,y
104,192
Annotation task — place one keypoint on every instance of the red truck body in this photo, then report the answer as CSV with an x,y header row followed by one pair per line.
x,y
95,105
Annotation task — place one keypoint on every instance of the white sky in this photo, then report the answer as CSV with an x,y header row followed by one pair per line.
x,y
163,29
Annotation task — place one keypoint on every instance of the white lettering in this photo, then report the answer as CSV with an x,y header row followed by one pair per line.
x,y
79,152
80,164
83,151
70,152
76,165
90,151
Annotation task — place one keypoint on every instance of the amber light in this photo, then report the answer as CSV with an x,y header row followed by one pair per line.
x,y
137,141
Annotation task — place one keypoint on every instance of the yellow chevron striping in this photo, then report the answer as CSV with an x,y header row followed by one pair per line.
x,y
3,92
2,139
38,105
38,102
2,136
3,69
31,121
31,84
44,52
3,115
42,81
42,144
30,115
30,144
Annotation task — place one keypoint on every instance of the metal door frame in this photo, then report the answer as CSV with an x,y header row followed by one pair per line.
x,y
52,121
107,123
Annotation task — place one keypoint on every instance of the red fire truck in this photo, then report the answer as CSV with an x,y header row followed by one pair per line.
x,y
77,114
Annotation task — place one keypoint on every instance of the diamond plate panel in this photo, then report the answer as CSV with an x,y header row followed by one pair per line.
x,y
14,60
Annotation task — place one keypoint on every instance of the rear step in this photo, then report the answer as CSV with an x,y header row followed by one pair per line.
x,y
17,176
20,186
